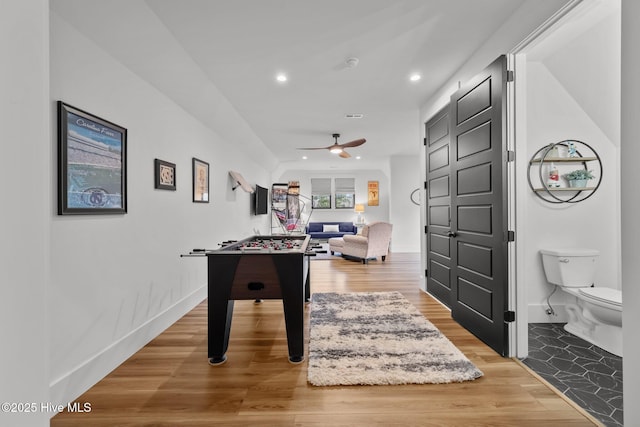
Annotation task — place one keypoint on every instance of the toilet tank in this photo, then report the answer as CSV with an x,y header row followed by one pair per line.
x,y
571,268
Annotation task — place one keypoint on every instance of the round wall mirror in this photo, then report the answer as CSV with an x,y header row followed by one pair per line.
x,y
415,196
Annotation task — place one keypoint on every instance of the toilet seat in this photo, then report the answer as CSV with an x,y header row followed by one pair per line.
x,y
605,295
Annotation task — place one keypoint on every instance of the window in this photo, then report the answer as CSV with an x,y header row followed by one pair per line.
x,y
321,193
345,193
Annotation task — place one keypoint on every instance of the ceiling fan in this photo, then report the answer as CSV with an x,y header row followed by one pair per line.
x,y
339,148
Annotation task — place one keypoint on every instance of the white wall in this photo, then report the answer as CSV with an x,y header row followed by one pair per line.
x,y
395,183
24,265
405,215
582,46
117,281
371,213
630,153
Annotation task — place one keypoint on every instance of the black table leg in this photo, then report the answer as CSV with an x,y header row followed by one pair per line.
x,y
220,316
221,270
290,274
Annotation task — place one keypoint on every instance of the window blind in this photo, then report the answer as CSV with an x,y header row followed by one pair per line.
x,y
320,186
345,186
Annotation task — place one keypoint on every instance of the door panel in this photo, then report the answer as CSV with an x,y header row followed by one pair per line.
x,y
440,245
476,259
441,274
475,298
438,129
475,100
439,187
440,216
439,158
476,219
474,179
478,206
475,141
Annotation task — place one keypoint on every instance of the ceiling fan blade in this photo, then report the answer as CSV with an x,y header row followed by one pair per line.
x,y
316,148
354,143
344,154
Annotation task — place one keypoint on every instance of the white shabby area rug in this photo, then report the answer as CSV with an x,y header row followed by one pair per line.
x,y
378,338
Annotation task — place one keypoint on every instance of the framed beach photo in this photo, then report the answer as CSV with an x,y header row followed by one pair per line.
x,y
92,164
200,181
165,175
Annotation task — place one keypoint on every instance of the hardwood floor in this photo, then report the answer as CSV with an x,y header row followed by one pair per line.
x,y
170,383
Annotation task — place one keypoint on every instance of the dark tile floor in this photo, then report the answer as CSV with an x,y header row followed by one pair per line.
x,y
585,373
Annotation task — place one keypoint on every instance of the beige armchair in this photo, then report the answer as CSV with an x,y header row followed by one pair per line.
x,y
372,243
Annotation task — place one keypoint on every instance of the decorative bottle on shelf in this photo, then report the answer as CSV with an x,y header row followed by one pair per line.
x,y
554,177
571,148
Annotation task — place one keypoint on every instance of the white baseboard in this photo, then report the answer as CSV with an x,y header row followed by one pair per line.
x,y
69,387
398,249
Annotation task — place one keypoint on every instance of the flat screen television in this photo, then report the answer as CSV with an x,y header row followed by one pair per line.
x,y
261,201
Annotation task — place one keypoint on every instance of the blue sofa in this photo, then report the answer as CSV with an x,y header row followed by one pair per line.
x,y
316,229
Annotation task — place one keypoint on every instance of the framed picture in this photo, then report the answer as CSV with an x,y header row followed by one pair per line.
x,y
165,174
200,181
92,164
373,193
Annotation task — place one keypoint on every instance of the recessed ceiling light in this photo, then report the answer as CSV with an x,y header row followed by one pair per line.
x,y
415,77
358,157
352,62
304,157
354,115
281,78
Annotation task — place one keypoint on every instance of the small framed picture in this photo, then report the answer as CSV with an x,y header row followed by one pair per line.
x,y
200,181
92,164
165,174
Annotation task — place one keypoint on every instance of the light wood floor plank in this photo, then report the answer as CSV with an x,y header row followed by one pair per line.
x,y
170,383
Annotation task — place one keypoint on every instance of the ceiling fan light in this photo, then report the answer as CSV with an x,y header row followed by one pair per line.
x,y
336,150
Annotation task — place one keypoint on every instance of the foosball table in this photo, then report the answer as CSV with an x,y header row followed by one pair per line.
x,y
257,268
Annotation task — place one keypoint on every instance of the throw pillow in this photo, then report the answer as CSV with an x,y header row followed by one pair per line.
x,y
330,228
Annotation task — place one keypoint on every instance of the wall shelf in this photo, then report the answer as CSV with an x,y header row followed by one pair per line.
x,y
553,190
564,160
552,154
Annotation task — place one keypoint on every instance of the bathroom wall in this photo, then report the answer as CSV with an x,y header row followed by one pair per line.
x,y
631,208
572,92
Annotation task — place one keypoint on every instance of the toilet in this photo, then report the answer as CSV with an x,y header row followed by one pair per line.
x,y
597,315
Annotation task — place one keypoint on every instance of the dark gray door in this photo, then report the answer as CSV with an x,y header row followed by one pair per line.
x,y
478,233
438,210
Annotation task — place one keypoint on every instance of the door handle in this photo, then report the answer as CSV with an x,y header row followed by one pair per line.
x,y
451,233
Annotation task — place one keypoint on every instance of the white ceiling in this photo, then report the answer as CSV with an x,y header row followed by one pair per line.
x,y
218,59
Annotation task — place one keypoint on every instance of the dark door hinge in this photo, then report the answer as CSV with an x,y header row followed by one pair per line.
x,y
425,141
511,236
509,316
511,156
425,185
510,75
426,229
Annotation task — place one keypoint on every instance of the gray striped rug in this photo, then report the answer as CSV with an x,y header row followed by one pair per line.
x,y
377,338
